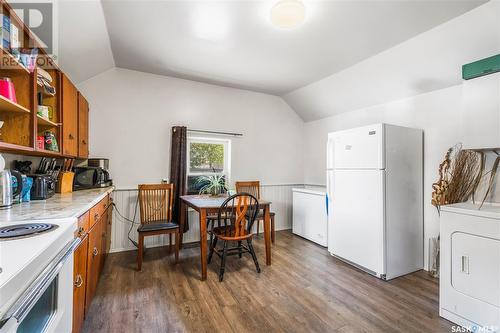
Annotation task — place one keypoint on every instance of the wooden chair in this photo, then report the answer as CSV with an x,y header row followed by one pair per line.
x,y
236,217
155,203
253,187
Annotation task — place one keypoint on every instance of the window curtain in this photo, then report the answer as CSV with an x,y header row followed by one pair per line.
x,y
178,165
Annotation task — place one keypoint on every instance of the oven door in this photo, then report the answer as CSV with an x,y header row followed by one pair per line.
x,y
47,304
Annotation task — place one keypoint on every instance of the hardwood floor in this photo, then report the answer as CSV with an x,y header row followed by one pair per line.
x,y
305,290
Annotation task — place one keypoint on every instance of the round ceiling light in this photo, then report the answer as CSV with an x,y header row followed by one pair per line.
x,y
288,14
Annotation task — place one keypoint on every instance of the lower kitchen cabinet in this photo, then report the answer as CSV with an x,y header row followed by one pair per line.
x,y
102,246
89,258
79,283
94,255
108,225
106,233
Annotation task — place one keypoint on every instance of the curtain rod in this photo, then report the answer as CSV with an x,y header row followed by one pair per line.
x,y
214,132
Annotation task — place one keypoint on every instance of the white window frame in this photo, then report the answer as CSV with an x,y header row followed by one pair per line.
x,y
227,156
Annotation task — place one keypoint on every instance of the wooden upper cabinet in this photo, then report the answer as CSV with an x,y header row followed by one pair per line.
x,y
83,127
69,117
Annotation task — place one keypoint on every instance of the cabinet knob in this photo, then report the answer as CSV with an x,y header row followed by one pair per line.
x,y
71,137
95,251
80,231
78,281
84,142
96,216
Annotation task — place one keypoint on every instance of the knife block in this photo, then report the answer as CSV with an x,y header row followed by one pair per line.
x,y
65,182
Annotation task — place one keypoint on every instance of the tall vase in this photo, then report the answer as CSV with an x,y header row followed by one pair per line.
x,y
434,257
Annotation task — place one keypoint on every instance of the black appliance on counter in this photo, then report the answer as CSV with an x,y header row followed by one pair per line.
x,y
90,177
44,187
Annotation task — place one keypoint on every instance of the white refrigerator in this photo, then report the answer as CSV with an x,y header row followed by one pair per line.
x,y
375,198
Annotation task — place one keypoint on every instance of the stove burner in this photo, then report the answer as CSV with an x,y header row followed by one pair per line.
x,y
25,230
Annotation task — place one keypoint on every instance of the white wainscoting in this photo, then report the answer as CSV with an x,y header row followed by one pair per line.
x,y
126,201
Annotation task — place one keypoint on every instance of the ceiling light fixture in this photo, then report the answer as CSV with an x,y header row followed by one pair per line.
x,y
288,14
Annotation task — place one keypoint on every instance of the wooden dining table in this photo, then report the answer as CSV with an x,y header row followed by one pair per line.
x,y
209,205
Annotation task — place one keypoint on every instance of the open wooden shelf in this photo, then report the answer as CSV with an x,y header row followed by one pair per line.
x,y
17,148
11,64
22,125
49,153
7,105
46,122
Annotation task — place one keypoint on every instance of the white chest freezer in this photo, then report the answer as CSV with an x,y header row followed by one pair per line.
x,y
309,215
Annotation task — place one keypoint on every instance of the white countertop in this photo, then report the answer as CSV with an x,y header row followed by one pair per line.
x,y
489,210
59,206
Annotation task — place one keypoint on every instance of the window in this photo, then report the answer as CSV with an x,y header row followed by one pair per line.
x,y
207,156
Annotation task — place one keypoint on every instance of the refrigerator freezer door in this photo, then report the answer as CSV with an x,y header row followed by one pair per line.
x,y
357,222
359,148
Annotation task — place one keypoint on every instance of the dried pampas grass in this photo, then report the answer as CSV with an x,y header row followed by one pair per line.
x,y
459,176
465,175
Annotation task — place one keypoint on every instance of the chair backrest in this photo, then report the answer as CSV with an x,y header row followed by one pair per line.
x,y
155,202
251,187
239,211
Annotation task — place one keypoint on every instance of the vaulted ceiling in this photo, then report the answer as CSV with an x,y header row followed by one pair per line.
x,y
233,43
84,49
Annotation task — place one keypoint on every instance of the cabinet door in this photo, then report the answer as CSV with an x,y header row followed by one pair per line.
x,y
98,210
103,222
93,263
108,227
79,283
83,127
69,117
83,225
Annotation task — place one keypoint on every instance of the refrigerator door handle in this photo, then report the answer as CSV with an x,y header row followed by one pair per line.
x,y
326,204
329,188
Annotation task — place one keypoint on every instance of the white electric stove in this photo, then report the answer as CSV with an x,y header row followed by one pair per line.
x,y
36,275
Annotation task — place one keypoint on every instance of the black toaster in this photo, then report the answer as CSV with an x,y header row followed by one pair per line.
x,y
44,186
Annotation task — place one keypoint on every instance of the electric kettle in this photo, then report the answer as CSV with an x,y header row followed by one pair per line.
x,y
6,193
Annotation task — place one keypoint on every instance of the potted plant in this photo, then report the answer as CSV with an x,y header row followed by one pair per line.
x,y
213,184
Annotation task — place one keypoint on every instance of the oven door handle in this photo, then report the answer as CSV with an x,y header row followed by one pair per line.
x,y
32,294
